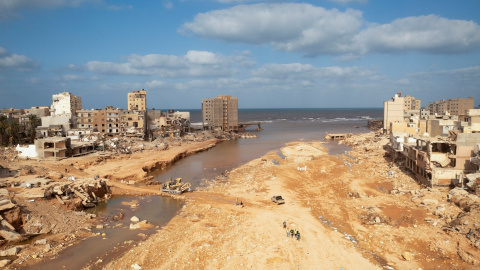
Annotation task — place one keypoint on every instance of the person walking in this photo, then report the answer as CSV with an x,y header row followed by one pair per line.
x,y
291,232
284,224
288,232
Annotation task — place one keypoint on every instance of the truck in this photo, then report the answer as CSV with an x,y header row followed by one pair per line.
x,y
278,199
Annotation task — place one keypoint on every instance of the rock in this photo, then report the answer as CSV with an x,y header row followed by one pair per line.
x,y
136,266
407,256
134,226
4,263
429,202
134,219
100,226
41,242
47,248
377,220
10,252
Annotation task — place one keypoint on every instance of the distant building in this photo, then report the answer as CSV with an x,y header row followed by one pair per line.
x,y
220,113
411,103
393,111
106,121
455,106
133,123
39,111
65,103
137,100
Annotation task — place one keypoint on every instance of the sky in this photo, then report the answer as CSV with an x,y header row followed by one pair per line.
x,y
269,54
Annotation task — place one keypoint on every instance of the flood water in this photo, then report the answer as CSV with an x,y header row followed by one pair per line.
x,y
157,210
279,127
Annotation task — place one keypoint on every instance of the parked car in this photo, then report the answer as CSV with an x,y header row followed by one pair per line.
x,y
278,200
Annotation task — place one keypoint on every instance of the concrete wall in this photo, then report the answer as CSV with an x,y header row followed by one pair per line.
x,y
28,151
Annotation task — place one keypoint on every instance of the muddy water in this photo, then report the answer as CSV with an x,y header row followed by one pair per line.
x,y
99,250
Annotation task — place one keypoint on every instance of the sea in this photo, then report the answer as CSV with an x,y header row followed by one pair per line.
x,y
280,126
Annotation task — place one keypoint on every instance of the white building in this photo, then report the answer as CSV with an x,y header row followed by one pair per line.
x,y
65,103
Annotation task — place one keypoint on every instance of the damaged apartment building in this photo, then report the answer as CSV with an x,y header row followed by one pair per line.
x,y
440,149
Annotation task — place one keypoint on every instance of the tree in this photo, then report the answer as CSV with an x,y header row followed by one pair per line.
x,y
12,131
3,128
34,122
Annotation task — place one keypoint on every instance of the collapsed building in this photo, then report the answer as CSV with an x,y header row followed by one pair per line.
x,y
449,156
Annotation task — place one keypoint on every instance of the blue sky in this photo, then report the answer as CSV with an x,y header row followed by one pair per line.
x,y
269,54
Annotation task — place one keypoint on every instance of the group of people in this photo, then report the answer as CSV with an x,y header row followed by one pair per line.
x,y
291,232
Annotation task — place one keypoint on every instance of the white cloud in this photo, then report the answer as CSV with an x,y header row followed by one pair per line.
x,y
192,64
314,30
204,58
462,73
289,27
15,61
430,34
308,72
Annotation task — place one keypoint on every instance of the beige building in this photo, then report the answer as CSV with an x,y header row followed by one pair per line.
x,y
133,123
137,100
411,103
454,106
106,121
393,111
91,119
220,113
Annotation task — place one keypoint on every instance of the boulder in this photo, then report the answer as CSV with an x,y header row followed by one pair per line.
x,y
10,252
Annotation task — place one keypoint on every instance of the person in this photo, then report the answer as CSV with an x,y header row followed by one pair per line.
x,y
241,203
288,232
236,202
284,224
291,232
295,232
298,235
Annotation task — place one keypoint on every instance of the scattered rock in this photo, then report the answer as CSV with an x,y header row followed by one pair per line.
x,y
407,256
10,252
134,219
136,266
4,263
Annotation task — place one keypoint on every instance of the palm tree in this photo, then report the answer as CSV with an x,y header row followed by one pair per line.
x,y
3,127
34,122
12,131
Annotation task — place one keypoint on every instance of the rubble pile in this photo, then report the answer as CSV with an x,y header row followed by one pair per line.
x,y
90,192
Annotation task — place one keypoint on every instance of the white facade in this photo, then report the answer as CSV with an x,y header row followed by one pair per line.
x,y
65,103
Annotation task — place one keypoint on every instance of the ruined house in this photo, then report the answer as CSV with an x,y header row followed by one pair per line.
x,y
437,161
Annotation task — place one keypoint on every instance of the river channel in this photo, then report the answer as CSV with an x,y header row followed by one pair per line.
x,y
159,210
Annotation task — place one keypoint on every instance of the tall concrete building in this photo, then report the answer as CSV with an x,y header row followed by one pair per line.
x,y
412,103
65,103
393,111
454,106
220,113
137,100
